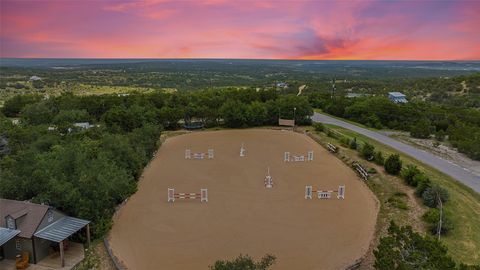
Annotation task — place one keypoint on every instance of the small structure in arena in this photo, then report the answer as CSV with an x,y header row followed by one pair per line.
x,y
203,195
268,179
200,155
242,150
324,194
287,157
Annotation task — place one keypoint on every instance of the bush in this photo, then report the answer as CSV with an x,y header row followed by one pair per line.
x,y
432,216
379,159
344,141
423,182
393,164
353,143
431,195
421,129
408,174
245,263
368,151
319,127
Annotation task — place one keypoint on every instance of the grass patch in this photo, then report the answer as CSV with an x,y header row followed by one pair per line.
x,y
463,241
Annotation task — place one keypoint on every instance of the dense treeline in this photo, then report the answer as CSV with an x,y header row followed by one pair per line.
x,y
86,172
461,126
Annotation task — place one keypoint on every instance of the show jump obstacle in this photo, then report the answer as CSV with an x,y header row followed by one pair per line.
x,y
324,194
243,152
190,155
288,158
203,195
268,179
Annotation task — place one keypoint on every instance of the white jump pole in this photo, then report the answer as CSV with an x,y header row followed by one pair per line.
x,y
171,195
188,154
203,195
268,179
341,192
242,150
310,156
286,157
308,192
210,153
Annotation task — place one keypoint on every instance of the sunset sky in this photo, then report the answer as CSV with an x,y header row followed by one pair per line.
x,y
436,30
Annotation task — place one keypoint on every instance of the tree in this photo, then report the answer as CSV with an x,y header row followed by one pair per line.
x,y
234,113
37,113
14,105
408,174
256,113
432,217
421,129
432,194
404,249
245,263
368,151
393,164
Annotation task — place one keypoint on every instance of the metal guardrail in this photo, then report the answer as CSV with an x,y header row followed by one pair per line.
x,y
359,168
332,148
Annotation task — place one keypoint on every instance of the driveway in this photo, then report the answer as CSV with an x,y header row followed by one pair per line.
x,y
462,175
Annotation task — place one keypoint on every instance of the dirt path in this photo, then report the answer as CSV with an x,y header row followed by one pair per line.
x,y
242,216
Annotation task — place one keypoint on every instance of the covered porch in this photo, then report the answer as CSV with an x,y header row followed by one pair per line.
x,y
73,256
59,231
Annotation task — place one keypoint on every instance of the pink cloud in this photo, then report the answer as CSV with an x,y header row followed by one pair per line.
x,y
241,29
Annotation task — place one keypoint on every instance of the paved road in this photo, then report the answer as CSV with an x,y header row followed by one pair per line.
x,y
460,174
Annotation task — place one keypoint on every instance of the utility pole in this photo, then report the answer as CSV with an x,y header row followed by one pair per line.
x,y
333,88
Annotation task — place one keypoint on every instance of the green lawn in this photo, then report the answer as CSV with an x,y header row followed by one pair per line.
x,y
463,208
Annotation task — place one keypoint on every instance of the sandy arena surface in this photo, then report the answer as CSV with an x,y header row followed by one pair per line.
x,y
242,216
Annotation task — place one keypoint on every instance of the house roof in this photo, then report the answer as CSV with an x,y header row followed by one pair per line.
x,y
396,94
61,229
33,215
7,234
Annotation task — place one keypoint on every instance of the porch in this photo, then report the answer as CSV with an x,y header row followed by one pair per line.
x,y
72,256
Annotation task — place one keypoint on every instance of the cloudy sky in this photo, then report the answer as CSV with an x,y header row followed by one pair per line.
x,y
355,29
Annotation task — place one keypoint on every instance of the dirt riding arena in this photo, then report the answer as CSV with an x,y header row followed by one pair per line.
x,y
241,215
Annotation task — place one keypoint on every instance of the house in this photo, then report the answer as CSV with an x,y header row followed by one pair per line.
x,y
35,78
397,97
83,125
282,85
37,229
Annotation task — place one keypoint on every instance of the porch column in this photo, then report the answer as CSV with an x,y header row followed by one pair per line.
x,y
62,257
88,235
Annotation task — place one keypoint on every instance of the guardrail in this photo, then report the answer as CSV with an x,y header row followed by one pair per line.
x,y
361,171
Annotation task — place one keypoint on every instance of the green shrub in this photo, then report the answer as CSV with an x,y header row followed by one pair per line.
x,y
423,182
379,159
368,151
408,174
353,143
393,164
319,127
432,216
431,195
245,262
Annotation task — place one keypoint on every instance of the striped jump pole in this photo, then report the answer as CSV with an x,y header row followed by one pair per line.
x,y
203,195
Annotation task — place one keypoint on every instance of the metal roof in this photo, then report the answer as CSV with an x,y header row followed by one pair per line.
x,y
61,229
7,234
396,94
